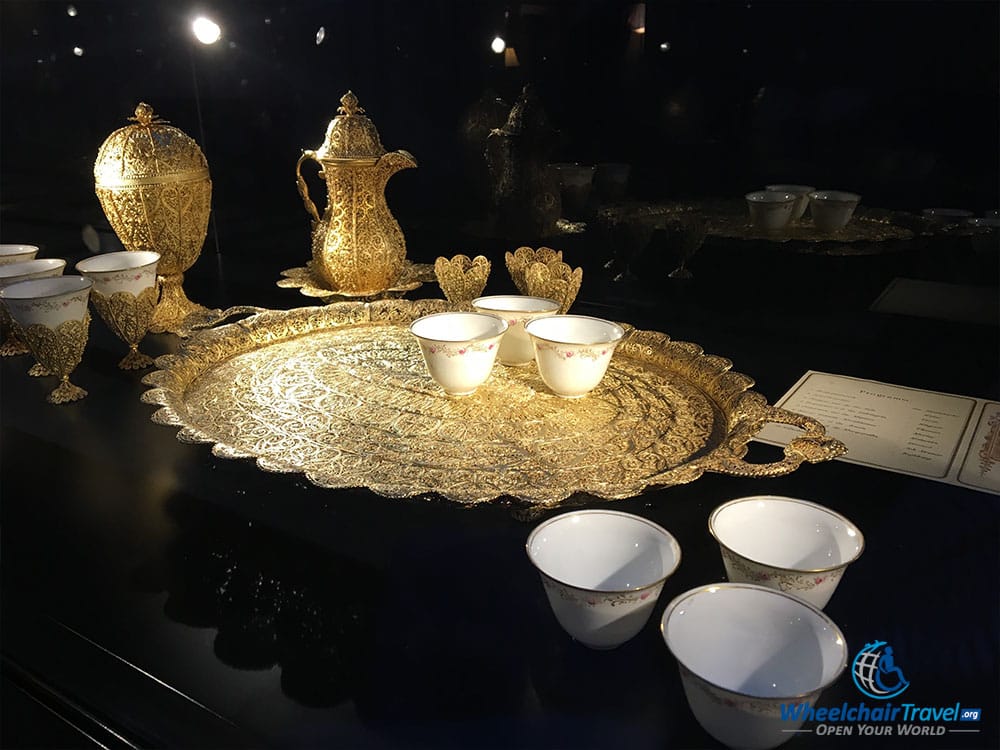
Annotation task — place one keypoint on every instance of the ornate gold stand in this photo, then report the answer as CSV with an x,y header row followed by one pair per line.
x,y
59,350
310,284
174,307
129,316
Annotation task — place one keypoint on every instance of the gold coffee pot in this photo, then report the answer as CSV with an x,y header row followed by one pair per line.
x,y
357,245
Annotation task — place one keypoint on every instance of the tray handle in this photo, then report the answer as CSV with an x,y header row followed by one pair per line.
x,y
814,446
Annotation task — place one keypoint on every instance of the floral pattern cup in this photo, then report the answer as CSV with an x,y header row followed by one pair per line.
x,y
515,347
603,572
459,348
51,316
17,253
785,543
744,652
125,295
11,273
573,351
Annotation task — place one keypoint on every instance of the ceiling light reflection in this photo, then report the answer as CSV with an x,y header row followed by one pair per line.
x,y
78,51
320,35
206,30
71,11
498,45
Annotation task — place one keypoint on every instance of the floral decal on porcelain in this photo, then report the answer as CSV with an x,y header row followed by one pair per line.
x,y
586,352
785,581
770,708
595,599
53,304
460,350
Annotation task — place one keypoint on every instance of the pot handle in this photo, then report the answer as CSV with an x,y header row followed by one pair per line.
x,y
303,188
814,446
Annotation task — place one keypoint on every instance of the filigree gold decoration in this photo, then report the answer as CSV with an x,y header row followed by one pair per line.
x,y
341,394
153,184
358,247
519,260
128,316
59,350
12,345
554,280
462,278
310,284
38,370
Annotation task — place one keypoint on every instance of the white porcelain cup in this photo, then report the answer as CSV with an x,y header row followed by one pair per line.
x,y
48,302
769,210
801,193
603,572
459,348
785,543
832,209
515,347
127,271
573,351
39,268
746,655
17,253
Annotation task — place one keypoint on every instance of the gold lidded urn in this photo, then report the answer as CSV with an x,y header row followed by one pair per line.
x,y
357,245
153,183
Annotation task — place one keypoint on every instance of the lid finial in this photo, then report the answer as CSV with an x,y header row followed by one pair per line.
x,y
349,105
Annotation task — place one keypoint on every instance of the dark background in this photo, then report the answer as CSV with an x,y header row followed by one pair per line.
x,y
122,543
897,101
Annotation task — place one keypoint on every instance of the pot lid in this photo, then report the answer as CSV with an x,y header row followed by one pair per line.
x,y
351,135
148,152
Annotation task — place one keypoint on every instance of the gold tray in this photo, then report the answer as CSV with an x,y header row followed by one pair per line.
x,y
341,394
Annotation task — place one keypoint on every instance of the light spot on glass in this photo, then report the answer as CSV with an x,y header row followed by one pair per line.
x,y
71,11
320,35
78,51
498,45
206,30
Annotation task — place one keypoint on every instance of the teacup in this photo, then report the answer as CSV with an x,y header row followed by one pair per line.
x,y
801,193
11,273
17,253
459,348
771,210
832,209
51,316
749,656
784,543
573,351
603,572
515,347
125,295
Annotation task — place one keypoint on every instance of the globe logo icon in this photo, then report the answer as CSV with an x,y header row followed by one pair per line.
x,y
875,672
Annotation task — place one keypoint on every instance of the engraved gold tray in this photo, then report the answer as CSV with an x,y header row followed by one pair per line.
x,y
341,394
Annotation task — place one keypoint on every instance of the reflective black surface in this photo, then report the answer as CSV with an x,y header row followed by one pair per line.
x,y
154,594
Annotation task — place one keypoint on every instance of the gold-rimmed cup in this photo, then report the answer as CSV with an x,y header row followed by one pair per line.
x,y
573,351
51,316
518,310
785,543
11,273
17,253
125,295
